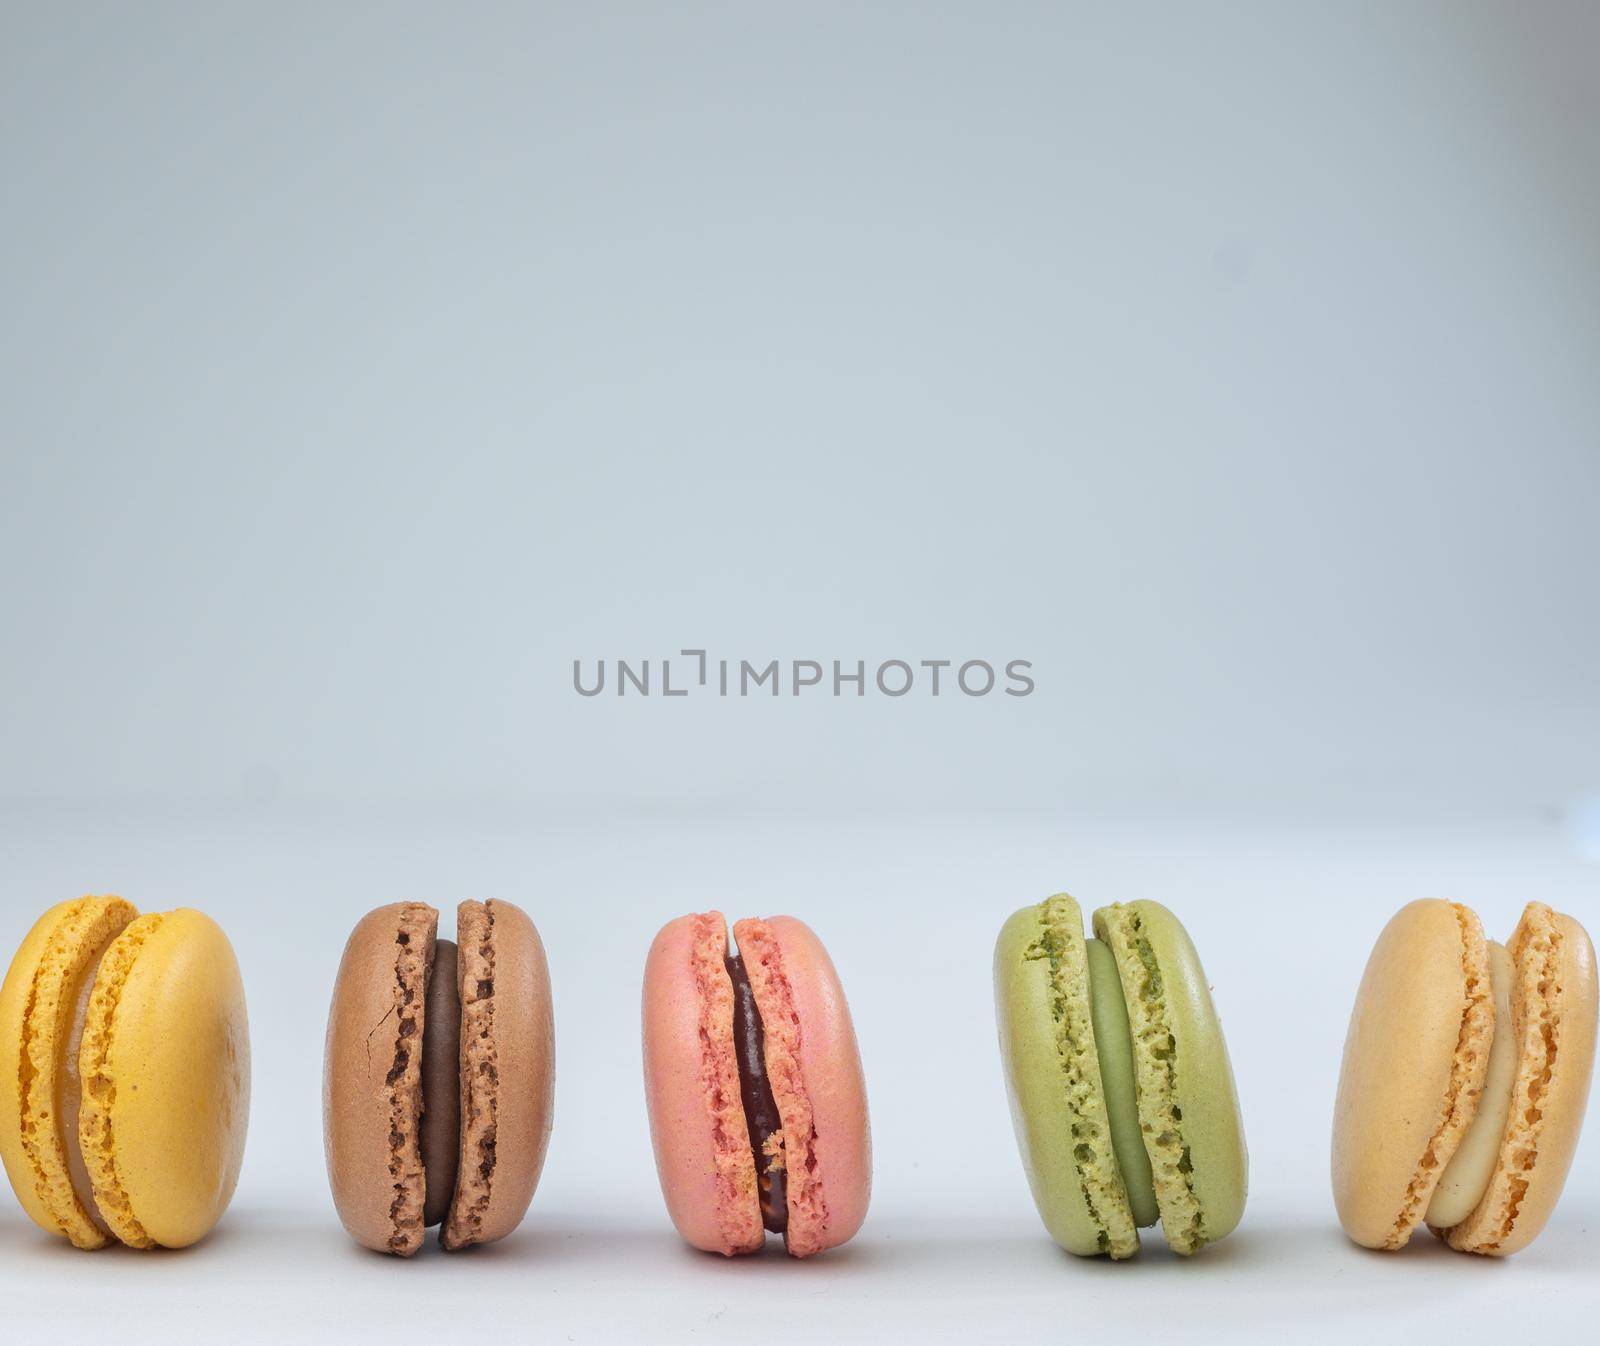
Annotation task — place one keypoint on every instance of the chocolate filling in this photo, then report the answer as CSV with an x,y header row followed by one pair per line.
x,y
441,1086
760,1110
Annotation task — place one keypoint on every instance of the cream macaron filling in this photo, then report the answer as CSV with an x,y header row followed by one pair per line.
x,y
1467,1176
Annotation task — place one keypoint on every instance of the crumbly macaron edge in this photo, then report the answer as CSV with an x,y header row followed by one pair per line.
x,y
1535,951
807,1231
1155,1064
96,1125
1468,1069
413,957
738,1200
480,1076
80,938
1060,945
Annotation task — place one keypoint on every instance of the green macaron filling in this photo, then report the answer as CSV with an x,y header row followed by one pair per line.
x,y
1113,1042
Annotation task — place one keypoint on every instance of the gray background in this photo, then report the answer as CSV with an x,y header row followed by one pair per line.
x,y
364,368
361,369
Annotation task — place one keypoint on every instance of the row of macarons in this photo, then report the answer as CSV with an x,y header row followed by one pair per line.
x,y
125,1061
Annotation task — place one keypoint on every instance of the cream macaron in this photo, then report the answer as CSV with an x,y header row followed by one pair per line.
x,y
1465,1078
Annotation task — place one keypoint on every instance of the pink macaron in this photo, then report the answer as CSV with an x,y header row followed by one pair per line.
x,y
758,1108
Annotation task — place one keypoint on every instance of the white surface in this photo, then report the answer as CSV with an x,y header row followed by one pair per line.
x,y
578,1277
1283,917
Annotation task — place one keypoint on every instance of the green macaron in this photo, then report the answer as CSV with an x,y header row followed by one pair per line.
x,y
1121,1091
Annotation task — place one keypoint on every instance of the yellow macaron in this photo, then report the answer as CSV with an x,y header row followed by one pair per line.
x,y
125,1071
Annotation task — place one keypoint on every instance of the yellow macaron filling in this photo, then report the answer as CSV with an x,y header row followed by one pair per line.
x,y
1467,1176
70,1104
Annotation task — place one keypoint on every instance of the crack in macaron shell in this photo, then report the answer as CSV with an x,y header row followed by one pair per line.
x,y
372,1077
438,1076
413,954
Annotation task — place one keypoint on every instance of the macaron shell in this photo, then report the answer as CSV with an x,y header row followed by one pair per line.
x,y
803,1010
15,993
1414,1063
372,1077
1553,1010
507,1071
39,992
166,1071
691,1076
1053,1080
1188,1104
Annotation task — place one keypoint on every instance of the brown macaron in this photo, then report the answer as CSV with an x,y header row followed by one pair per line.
x,y
439,1076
